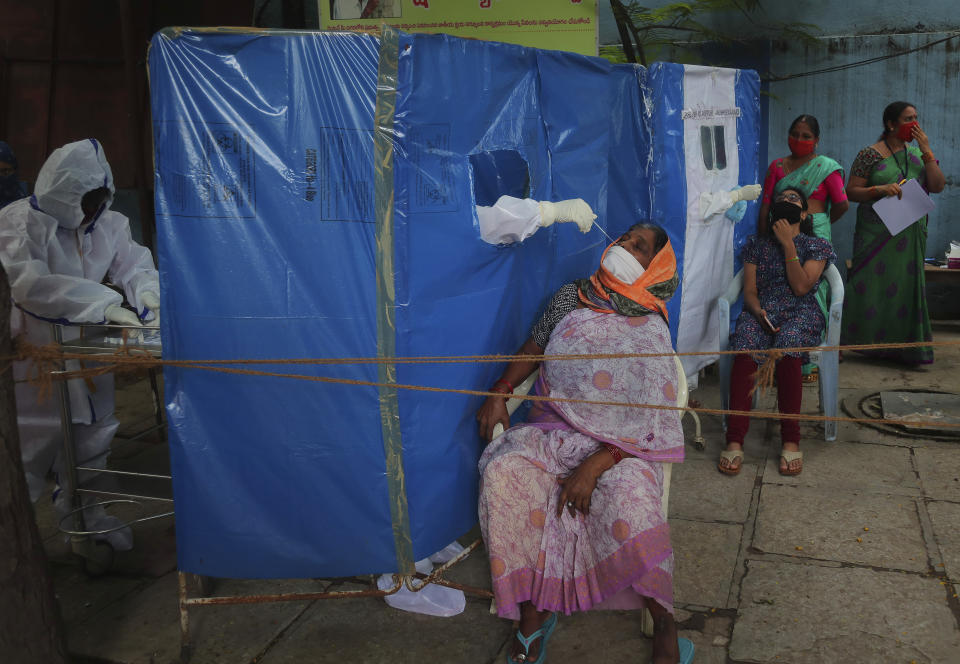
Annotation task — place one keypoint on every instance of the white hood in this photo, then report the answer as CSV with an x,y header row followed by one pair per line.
x,y
69,173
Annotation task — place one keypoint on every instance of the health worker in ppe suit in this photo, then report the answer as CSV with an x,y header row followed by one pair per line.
x,y
57,247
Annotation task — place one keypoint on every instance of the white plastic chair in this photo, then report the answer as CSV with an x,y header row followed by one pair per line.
x,y
827,360
682,395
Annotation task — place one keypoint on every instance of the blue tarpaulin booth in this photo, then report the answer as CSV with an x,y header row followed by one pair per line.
x,y
315,199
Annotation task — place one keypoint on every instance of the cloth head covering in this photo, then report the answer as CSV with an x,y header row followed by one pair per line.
x,y
7,155
649,294
68,173
11,188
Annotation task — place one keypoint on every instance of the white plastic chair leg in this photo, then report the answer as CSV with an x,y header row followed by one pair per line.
x,y
646,623
829,397
698,440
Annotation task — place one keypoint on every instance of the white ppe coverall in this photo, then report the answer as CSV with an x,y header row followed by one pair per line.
x,y
56,268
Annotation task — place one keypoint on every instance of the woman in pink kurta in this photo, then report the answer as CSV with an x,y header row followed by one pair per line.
x,y
570,502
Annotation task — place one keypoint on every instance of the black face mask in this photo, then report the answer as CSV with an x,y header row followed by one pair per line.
x,y
785,210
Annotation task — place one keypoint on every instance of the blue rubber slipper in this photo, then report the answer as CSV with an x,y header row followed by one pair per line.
x,y
544,632
685,646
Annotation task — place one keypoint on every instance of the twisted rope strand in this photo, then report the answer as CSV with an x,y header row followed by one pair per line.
x,y
126,359
27,350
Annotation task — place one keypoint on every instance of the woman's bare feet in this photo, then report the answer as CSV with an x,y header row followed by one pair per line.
x,y
666,650
731,459
530,621
794,466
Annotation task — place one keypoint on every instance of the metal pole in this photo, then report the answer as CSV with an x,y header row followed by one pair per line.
x,y
186,648
79,544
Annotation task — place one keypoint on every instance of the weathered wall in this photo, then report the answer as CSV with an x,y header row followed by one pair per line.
x,y
855,17
849,105
74,69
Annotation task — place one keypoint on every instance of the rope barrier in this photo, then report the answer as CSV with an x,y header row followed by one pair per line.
x,y
126,359
27,350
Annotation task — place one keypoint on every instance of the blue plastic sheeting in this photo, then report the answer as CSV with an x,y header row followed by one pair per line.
x,y
668,185
272,214
264,199
456,294
628,192
265,208
748,147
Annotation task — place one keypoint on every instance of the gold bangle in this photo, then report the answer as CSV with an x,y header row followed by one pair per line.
x,y
927,157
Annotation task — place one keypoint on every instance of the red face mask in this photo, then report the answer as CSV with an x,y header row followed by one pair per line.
x,y
800,148
905,131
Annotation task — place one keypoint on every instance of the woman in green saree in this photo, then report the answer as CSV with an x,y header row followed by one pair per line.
x,y
820,178
886,288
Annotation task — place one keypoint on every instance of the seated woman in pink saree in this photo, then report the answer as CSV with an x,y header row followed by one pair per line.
x,y
570,502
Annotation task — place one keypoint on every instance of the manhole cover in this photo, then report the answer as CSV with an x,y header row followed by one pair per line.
x,y
904,412
914,409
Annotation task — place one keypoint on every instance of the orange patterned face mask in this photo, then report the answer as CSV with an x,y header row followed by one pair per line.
x,y
648,294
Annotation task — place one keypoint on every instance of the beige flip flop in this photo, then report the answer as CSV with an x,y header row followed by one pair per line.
x,y
789,457
731,456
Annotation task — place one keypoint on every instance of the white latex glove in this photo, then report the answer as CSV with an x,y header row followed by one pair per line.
x,y
151,301
750,192
117,314
574,209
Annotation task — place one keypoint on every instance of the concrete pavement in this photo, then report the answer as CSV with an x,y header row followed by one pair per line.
x,y
855,560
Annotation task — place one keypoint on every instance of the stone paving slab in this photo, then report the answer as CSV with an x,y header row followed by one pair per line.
x,y
711,642
857,370
804,614
143,627
474,570
861,433
699,491
705,556
826,524
605,637
939,467
367,630
81,597
852,466
715,439
946,531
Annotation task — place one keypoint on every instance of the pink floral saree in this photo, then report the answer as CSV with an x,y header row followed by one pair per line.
x,y
619,553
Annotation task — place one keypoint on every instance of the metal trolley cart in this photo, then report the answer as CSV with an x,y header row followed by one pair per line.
x,y
104,340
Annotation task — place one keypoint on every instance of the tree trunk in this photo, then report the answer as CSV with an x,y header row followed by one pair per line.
x,y
31,630
624,24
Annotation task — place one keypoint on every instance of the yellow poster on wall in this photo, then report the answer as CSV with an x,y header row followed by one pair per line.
x,y
568,25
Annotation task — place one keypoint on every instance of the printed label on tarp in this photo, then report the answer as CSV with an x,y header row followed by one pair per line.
x,y
218,179
336,176
433,166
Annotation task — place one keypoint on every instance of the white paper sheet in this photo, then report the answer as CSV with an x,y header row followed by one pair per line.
x,y
898,213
